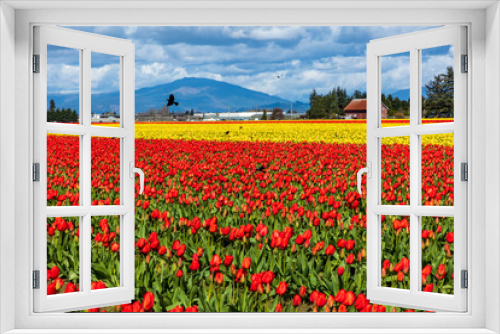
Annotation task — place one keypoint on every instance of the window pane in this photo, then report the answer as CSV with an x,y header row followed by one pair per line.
x,y
438,174
63,255
105,171
395,242
437,254
106,243
395,90
437,84
63,170
63,84
395,171
105,87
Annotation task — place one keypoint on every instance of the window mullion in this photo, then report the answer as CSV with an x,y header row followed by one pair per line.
x,y
85,174
414,169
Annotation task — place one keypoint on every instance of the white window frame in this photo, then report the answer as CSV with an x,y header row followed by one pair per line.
x,y
413,44
484,46
85,43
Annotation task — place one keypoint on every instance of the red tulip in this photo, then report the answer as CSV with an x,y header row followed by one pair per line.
x,y
296,300
191,309
361,302
350,259
215,261
141,242
281,289
429,288
321,300
199,253
340,271
340,297
267,277
219,278
228,260
162,250
51,289
441,270
181,250
341,243
54,272
349,298
195,265
450,237
70,287
302,291
246,263
427,270
115,247
148,302
146,249
330,250
313,296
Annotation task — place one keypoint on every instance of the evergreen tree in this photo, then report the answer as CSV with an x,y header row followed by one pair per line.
x,y
396,104
334,105
50,116
57,115
358,94
74,116
312,99
52,105
264,116
332,108
319,107
439,91
342,98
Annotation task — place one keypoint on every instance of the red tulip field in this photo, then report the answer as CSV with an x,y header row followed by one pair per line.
x,y
235,222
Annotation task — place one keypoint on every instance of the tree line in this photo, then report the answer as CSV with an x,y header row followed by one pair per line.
x,y
64,115
332,104
438,100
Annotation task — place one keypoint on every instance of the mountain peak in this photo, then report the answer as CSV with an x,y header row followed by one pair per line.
x,y
199,94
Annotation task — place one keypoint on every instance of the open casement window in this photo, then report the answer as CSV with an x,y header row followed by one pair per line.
x,y
68,208
400,196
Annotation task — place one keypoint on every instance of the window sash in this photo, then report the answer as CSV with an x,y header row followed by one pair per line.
x,y
413,43
85,43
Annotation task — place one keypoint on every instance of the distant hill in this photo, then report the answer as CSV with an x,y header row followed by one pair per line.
x,y
404,94
200,94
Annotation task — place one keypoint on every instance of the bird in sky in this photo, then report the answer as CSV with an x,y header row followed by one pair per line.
x,y
171,101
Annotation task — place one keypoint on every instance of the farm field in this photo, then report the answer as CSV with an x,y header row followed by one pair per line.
x,y
251,216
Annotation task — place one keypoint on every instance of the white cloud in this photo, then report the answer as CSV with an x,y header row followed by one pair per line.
x,y
130,30
253,57
105,78
151,52
266,33
63,79
149,75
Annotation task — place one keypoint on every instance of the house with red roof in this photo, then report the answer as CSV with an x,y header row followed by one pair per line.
x,y
356,109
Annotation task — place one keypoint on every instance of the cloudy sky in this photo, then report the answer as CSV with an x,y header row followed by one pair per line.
x,y
252,57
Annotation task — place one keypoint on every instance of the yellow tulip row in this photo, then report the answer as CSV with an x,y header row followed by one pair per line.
x,y
348,132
